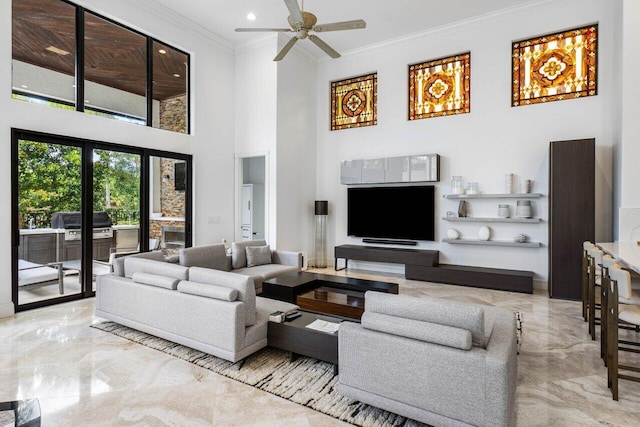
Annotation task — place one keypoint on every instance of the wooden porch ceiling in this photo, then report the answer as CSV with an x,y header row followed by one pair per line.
x,y
44,35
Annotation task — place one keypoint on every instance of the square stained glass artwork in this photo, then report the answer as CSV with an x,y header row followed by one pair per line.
x,y
354,102
440,87
555,67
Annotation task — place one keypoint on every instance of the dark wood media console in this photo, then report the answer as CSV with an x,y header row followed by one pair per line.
x,y
422,264
390,255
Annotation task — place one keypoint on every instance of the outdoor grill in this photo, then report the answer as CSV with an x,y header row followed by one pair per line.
x,y
71,222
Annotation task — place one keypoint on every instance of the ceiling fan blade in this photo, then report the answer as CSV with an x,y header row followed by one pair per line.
x,y
294,11
252,30
322,45
287,47
338,26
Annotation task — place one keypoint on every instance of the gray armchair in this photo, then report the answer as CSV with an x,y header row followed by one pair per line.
x,y
437,361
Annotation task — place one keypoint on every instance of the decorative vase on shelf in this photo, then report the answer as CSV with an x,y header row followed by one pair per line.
x,y
524,186
504,211
508,183
462,209
520,238
457,185
453,234
473,188
523,209
484,233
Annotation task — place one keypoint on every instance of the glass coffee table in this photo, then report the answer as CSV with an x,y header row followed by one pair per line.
x,y
294,336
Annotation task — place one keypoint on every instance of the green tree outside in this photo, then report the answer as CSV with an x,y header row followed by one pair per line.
x,y
50,180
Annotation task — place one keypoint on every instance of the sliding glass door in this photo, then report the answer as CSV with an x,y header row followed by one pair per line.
x,y
168,203
79,204
116,207
49,186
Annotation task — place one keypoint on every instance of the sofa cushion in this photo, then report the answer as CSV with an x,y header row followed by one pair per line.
x,y
417,329
210,291
238,252
155,280
207,256
258,255
435,310
118,262
140,265
243,284
267,271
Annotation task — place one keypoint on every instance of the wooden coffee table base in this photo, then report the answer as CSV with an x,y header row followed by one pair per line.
x,y
339,302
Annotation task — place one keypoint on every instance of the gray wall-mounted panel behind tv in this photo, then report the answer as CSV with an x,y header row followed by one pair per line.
x,y
416,168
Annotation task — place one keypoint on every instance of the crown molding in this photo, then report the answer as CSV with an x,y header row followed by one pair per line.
x,y
445,27
173,18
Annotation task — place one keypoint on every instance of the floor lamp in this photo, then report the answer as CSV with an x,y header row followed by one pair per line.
x,y
321,211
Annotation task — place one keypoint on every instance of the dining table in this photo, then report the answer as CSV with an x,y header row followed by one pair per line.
x,y
627,252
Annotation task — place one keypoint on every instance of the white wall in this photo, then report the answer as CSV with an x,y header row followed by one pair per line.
x,y
296,144
211,142
275,114
629,152
483,145
256,120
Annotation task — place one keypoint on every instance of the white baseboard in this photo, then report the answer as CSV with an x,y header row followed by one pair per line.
x,y
6,309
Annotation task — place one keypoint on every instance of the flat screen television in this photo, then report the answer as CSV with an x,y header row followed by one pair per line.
x,y
180,176
405,212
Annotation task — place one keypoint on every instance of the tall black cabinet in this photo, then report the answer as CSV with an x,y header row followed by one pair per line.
x,y
571,213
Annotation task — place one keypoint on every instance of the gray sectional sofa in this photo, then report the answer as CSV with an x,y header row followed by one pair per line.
x,y
252,258
210,310
441,362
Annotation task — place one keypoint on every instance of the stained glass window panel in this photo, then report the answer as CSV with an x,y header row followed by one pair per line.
x,y
354,102
440,87
555,67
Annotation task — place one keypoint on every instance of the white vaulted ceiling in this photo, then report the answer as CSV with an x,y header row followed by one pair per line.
x,y
386,19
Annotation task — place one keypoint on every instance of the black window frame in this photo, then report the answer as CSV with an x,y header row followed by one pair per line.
x,y
79,65
87,146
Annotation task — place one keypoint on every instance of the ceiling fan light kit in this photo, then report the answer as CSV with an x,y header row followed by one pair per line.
x,y
301,23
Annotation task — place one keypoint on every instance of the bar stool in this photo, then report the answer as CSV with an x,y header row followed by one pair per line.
x,y
608,262
595,279
586,263
619,286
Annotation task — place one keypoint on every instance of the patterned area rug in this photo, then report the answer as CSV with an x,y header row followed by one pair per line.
x,y
306,381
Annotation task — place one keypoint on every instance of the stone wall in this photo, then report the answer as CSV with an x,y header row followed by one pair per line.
x,y
173,114
172,202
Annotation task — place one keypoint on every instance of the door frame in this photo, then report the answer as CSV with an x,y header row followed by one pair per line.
x,y
238,182
88,146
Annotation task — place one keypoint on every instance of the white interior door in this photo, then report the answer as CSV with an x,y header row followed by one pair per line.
x,y
246,211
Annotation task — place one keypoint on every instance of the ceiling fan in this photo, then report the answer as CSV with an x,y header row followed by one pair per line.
x,y
301,23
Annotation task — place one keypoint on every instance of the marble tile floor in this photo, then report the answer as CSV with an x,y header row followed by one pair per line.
x,y
83,376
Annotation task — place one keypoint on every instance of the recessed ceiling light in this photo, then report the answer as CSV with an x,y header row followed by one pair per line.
x,y
251,16
24,86
57,50
162,52
176,75
86,101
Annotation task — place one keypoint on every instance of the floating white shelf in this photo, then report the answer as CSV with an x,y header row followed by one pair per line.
x,y
494,196
492,243
474,219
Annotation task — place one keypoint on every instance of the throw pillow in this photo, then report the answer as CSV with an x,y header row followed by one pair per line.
x,y
206,256
238,253
209,291
258,255
155,280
